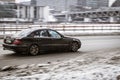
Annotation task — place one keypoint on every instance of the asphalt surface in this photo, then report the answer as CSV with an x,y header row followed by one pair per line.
x,y
89,44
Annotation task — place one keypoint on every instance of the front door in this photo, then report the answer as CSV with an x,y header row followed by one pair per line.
x,y
57,40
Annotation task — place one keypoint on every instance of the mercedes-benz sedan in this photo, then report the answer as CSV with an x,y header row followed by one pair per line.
x,y
33,41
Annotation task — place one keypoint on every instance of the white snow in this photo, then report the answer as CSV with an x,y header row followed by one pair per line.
x,y
97,72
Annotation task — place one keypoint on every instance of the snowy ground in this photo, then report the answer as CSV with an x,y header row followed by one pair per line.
x,y
99,65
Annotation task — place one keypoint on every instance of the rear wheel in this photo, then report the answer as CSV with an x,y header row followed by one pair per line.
x,y
33,50
74,47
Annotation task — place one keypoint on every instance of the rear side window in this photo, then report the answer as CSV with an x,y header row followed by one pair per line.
x,y
34,34
43,33
40,33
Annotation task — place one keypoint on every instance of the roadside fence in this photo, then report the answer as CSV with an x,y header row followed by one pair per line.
x,y
68,29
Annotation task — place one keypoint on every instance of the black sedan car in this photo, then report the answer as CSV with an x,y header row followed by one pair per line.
x,y
33,41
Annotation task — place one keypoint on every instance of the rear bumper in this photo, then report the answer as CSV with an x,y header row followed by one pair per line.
x,y
12,47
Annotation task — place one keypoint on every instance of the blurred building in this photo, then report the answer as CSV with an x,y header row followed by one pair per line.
x,y
95,4
116,3
7,9
33,2
86,5
81,2
58,5
23,12
8,1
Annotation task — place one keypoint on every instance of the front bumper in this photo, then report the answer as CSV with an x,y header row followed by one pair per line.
x,y
13,47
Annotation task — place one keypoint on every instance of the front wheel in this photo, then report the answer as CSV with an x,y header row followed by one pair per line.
x,y
74,47
33,50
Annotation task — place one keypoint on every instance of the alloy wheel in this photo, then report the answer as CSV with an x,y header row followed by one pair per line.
x,y
74,46
34,50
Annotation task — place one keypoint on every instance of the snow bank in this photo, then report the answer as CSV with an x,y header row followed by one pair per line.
x,y
98,72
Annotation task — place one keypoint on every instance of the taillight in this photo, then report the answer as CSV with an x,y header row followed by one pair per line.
x,y
17,42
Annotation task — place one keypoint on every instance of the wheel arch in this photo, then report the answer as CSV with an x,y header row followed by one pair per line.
x,y
33,44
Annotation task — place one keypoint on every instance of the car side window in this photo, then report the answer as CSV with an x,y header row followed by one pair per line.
x,y
54,34
38,34
43,33
34,34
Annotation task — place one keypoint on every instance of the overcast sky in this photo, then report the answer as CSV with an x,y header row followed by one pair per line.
x,y
111,1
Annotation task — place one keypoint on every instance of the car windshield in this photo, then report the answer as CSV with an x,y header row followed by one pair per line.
x,y
23,33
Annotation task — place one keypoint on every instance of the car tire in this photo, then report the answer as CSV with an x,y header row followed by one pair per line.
x,y
33,50
74,47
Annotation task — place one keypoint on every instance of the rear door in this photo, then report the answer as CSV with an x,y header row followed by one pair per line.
x,y
45,41
40,37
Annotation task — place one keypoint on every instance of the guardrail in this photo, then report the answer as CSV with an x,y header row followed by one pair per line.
x,y
65,28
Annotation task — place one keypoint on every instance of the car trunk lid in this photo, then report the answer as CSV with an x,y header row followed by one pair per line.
x,y
11,40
